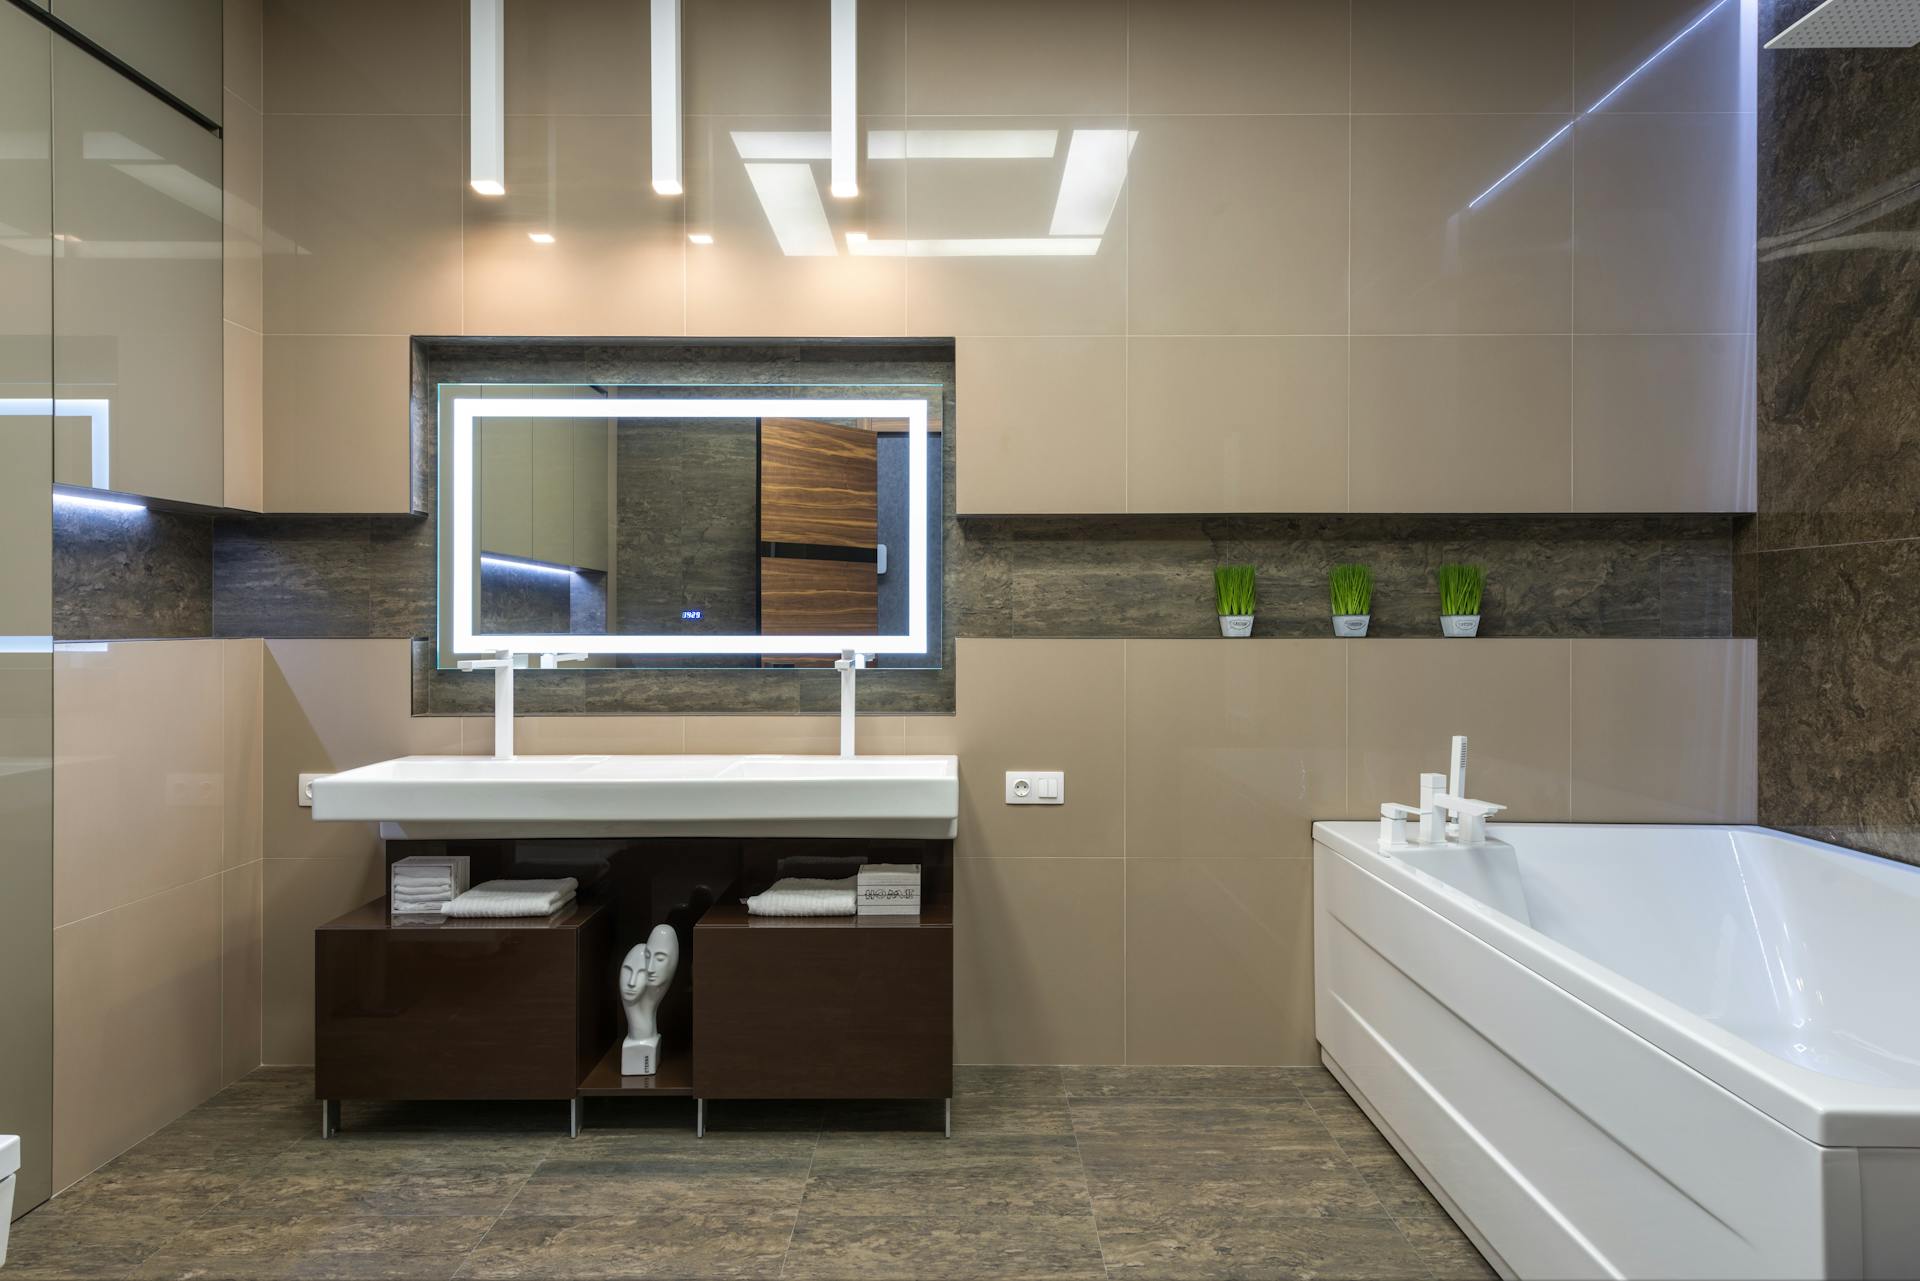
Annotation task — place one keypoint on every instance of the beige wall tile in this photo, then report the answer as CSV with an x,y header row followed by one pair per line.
x,y
1035,704
1002,57
337,430
139,771
617,262
363,224
1236,424
1220,961
1233,750
1461,424
1702,72
950,203
367,56
583,735
1238,225
579,57
1046,424
1414,56
300,894
1407,698
1663,423
770,270
240,662
1038,959
770,57
1230,56
241,52
1425,262
241,941
136,1028
796,735
330,705
1664,731
243,161
243,415
1663,217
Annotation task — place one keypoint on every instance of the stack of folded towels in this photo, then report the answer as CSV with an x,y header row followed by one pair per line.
x,y
888,889
804,896
423,885
513,898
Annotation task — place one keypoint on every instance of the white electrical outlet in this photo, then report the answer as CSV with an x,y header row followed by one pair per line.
x,y
1036,787
306,789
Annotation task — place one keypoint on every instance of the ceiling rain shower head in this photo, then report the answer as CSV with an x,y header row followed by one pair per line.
x,y
1854,24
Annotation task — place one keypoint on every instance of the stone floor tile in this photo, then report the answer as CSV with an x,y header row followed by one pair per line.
x,y
1211,1121
1445,1249
734,1243
893,1177
1291,1182
1200,1247
1009,1247
1007,1081
1180,1082
316,1246
710,1178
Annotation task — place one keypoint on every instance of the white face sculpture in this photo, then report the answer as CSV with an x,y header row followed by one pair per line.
x,y
651,964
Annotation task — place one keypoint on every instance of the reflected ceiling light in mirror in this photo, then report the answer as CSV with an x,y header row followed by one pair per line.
x,y
487,96
1599,102
844,68
791,200
961,144
97,412
463,518
667,177
1090,184
699,238
540,237
514,562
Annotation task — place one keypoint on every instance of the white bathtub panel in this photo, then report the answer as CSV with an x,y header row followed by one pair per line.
x,y
1890,1190
1574,1146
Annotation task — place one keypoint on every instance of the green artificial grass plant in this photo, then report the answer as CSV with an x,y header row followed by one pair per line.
x,y
1233,589
1460,587
1351,588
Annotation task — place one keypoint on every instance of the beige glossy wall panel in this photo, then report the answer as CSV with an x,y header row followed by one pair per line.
x,y
366,57
1702,72
241,940
585,735
617,262
26,903
137,1022
174,43
1238,225
1426,260
755,280
241,663
1225,57
336,424
770,57
299,894
1220,960
1407,698
1664,731
243,418
329,705
1039,956
242,159
1233,750
1477,424
1005,57
1236,424
363,224
1663,423
1013,198
1466,56
1664,218
796,735
579,57
1046,424
243,50
1035,704
137,296
140,771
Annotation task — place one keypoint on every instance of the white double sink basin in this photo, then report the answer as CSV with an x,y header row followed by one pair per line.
x,y
435,797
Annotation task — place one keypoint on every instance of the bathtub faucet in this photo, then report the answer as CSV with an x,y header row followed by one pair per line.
x,y
1446,813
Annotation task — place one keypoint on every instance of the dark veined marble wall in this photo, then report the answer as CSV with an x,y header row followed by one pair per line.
x,y
1829,575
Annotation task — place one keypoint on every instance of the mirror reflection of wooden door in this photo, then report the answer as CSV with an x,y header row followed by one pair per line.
x,y
819,531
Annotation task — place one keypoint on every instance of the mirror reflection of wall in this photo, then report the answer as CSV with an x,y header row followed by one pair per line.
x,y
546,527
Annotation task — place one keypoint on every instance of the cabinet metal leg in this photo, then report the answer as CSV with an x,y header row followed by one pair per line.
x,y
329,1118
699,1118
949,1118
576,1111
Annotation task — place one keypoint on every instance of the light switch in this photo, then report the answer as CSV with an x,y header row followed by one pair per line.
x,y
1036,787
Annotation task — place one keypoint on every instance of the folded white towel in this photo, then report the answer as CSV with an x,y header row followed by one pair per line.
x,y
514,898
802,896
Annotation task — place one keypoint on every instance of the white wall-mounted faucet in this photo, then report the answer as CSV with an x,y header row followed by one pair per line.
x,y
502,665
847,665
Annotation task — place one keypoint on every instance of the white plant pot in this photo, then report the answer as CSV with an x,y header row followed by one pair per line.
x,y
1459,624
1350,624
1236,624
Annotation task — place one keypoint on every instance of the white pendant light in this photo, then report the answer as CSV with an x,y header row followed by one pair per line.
x,y
845,73
667,177
487,96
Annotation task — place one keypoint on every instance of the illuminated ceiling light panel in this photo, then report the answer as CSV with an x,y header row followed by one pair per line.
x,y
791,199
961,144
700,237
845,77
487,96
1090,184
977,247
1854,24
667,177
540,237
1599,102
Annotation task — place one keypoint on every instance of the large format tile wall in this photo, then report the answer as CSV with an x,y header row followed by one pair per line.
x,y
1831,572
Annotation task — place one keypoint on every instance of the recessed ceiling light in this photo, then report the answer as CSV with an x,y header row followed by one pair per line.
x,y
845,78
666,97
487,96
540,237
700,237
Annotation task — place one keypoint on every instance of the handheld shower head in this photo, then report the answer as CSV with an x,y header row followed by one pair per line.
x,y
1457,769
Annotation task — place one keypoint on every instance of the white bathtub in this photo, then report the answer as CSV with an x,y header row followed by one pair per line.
x,y
1698,1054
